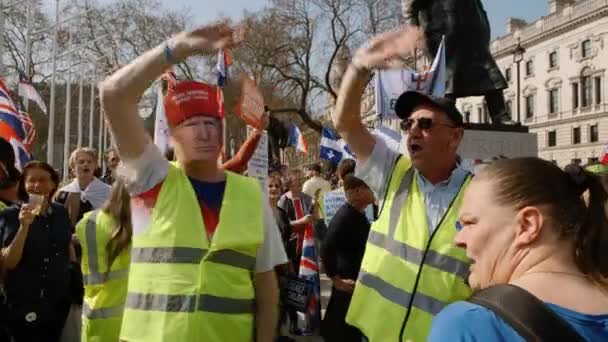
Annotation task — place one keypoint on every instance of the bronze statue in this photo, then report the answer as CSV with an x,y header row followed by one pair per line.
x,y
471,69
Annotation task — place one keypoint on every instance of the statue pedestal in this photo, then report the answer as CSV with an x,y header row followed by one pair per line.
x,y
483,142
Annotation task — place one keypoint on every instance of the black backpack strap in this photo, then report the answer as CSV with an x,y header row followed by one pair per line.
x,y
526,314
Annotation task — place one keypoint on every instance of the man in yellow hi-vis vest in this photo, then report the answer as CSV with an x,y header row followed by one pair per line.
x,y
411,268
205,242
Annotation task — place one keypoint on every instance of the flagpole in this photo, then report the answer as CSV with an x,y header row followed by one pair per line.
x,y
92,110
100,135
28,47
2,19
80,100
66,136
103,149
50,140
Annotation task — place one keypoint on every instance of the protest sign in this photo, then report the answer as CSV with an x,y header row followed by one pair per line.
x,y
257,167
297,294
332,201
250,107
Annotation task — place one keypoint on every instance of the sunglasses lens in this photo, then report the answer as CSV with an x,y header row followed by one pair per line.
x,y
458,226
425,123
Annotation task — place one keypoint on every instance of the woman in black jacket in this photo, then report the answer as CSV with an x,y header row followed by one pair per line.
x,y
36,249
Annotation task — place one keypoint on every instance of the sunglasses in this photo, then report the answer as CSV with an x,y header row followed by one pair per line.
x,y
423,124
458,226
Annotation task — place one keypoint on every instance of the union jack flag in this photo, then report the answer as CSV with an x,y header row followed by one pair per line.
x,y
9,113
30,130
310,321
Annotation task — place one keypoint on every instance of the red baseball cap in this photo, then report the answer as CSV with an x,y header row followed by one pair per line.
x,y
187,99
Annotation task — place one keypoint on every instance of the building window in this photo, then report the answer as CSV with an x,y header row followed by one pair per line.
x,y
586,48
529,68
551,138
479,115
576,135
594,133
553,101
597,86
586,91
509,105
508,74
486,113
574,95
553,60
467,116
529,106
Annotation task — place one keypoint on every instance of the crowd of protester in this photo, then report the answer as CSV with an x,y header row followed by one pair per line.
x,y
183,247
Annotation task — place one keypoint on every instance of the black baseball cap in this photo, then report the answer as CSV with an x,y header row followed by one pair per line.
x,y
411,99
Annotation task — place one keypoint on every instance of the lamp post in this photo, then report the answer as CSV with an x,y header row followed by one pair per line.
x,y
518,56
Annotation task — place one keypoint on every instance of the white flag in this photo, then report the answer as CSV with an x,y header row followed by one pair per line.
x,y
161,129
27,90
392,83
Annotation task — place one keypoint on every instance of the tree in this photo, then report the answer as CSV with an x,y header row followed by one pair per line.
x,y
300,48
14,42
123,30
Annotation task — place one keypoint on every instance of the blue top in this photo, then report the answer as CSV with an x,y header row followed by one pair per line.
x,y
210,194
42,276
467,322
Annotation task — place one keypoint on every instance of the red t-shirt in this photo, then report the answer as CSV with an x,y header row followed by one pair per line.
x,y
209,195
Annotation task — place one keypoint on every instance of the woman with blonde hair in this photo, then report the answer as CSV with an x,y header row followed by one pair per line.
x,y
537,237
105,236
86,192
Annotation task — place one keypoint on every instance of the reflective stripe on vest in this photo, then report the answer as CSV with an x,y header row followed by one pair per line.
x,y
101,313
187,255
95,277
185,303
173,255
400,297
416,256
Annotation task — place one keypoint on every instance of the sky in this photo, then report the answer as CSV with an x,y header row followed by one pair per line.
x,y
207,10
498,10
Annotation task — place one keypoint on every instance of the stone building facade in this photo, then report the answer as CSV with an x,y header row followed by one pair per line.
x,y
563,80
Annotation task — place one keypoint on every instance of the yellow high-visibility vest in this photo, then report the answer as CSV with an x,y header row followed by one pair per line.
x,y
105,288
183,288
408,274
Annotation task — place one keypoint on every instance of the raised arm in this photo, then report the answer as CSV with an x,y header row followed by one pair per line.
x,y
382,52
120,93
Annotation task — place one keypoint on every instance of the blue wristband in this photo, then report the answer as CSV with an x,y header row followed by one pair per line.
x,y
169,56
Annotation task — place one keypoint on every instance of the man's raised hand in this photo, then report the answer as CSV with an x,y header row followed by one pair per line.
x,y
389,50
207,39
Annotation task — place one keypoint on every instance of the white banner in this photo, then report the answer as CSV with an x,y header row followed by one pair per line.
x,y
390,84
257,167
161,129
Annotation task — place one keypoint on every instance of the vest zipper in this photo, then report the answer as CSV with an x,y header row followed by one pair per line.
x,y
428,245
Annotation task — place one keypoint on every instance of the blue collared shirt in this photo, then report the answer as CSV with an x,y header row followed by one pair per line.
x,y
439,197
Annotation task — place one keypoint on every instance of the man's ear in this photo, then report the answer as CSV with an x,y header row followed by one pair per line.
x,y
456,137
